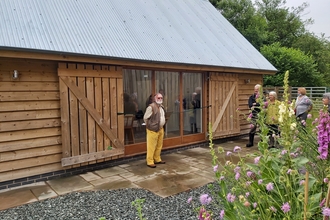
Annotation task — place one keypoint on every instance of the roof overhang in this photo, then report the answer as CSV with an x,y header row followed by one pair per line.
x,y
126,63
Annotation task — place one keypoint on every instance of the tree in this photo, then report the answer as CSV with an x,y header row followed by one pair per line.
x,y
243,16
302,67
319,48
284,24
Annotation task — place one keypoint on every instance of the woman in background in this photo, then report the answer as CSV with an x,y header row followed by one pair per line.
x,y
272,117
303,105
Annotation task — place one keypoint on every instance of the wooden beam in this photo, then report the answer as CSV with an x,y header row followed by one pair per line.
x,y
224,106
92,156
90,73
125,62
92,111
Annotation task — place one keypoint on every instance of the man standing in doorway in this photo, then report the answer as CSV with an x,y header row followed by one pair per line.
x,y
154,118
255,109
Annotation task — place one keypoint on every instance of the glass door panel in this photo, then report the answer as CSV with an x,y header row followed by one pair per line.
x,y
167,83
137,89
192,95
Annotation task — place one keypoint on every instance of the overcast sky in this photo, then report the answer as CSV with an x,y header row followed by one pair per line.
x,y
319,11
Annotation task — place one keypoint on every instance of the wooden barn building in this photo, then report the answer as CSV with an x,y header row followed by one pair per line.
x,y
76,76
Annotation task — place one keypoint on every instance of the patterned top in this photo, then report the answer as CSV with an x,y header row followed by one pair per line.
x,y
302,105
272,112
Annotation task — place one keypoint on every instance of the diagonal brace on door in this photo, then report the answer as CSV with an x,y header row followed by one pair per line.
x,y
92,111
224,106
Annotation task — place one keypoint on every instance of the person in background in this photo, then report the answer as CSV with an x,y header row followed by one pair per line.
x,y
149,100
192,113
272,117
326,100
303,105
154,118
129,106
255,109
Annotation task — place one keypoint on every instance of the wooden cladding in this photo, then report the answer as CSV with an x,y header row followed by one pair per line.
x,y
30,124
91,96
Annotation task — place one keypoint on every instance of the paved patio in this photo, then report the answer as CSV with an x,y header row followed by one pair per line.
x,y
184,170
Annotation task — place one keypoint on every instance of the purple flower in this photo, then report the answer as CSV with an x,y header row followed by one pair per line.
x,y
248,183
325,180
256,160
302,182
189,200
215,168
228,153
260,181
309,116
222,214
270,186
249,173
284,152
255,205
205,199
322,203
237,176
285,207
326,211
237,169
231,197
247,194
221,178
289,171
237,148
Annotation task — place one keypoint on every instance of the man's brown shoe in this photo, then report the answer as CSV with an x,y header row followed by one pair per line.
x,y
160,162
151,165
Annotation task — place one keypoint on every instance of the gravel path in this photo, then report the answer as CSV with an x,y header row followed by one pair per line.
x,y
111,204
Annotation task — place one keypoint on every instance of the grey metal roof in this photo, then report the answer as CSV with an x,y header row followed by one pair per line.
x,y
172,31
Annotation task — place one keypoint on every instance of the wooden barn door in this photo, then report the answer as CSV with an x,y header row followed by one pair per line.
x,y
223,95
91,96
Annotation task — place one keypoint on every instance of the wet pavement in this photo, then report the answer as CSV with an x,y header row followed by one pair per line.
x,y
184,170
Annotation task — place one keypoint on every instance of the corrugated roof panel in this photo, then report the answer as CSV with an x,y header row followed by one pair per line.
x,y
173,31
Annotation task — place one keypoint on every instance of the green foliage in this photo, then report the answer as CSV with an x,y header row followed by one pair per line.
x,y
243,16
138,205
284,24
303,70
319,48
271,183
270,22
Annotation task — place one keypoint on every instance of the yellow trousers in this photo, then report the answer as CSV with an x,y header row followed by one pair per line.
x,y
154,146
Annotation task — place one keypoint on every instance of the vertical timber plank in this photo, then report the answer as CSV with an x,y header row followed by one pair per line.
x,y
90,120
82,117
99,108
106,109
74,124
65,120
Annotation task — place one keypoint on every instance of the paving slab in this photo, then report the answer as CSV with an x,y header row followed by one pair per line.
x,y
193,180
90,176
119,183
110,171
16,197
43,192
68,184
170,191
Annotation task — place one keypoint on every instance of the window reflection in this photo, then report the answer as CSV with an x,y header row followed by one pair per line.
x,y
167,83
193,98
137,89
